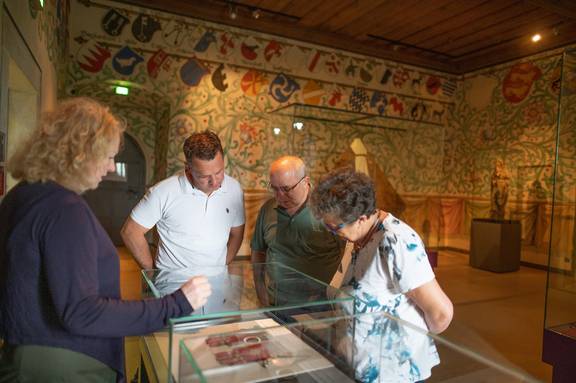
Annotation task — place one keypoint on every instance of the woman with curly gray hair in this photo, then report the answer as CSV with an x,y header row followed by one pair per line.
x,y
61,316
389,272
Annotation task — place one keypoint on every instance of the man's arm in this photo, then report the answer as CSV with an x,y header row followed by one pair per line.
x,y
437,307
133,236
259,257
234,242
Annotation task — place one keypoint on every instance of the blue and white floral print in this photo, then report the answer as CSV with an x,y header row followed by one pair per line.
x,y
391,264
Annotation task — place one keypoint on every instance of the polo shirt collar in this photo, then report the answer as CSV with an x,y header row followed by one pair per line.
x,y
188,188
283,211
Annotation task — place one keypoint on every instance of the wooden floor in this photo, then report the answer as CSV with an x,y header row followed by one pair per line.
x,y
499,315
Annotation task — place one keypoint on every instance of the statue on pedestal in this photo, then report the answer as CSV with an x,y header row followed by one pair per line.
x,y
499,186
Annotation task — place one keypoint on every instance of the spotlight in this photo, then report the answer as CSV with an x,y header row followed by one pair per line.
x,y
298,125
536,38
256,13
37,5
276,131
232,12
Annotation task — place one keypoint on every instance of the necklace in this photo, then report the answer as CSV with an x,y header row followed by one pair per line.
x,y
359,245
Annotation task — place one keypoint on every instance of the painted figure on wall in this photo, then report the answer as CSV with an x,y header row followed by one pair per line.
x,y
500,183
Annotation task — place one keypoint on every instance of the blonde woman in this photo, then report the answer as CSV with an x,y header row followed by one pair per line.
x,y
61,316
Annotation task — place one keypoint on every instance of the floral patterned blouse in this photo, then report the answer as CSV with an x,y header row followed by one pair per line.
x,y
392,263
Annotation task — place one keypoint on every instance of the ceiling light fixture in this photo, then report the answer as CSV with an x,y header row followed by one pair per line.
x,y
298,125
536,38
232,11
235,9
37,5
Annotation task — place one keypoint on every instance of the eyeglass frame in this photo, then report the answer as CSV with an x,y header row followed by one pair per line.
x,y
284,189
334,229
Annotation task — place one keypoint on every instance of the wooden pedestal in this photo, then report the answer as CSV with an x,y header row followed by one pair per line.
x,y
495,245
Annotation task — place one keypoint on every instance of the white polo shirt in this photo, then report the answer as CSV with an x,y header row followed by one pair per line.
x,y
193,227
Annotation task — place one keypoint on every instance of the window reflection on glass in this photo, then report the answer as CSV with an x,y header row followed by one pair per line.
x,y
121,169
119,175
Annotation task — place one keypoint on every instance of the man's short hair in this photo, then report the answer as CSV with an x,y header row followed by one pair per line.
x,y
202,145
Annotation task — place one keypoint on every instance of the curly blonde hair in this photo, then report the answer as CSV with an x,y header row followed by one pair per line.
x,y
66,144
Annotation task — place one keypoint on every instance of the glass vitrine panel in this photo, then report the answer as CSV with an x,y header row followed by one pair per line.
x,y
286,297
234,291
560,319
330,349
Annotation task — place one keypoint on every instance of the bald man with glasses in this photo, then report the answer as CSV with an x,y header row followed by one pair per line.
x,y
287,232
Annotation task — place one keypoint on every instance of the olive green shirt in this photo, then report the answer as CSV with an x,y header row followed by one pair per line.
x,y
299,241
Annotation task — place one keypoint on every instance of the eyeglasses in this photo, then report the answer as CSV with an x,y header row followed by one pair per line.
x,y
284,189
333,228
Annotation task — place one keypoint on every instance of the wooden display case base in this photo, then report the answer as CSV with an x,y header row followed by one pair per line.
x,y
495,245
558,350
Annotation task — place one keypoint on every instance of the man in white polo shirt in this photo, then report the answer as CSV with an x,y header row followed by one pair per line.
x,y
199,213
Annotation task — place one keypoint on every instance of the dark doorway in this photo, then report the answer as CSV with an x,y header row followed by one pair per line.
x,y
119,192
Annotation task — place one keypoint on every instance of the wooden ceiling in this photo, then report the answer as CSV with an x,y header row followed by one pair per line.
x,y
454,36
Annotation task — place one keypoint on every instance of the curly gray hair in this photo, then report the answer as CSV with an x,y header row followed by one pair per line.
x,y
344,194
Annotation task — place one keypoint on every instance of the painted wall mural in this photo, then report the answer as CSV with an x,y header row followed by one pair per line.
x,y
232,81
434,137
145,116
52,23
508,113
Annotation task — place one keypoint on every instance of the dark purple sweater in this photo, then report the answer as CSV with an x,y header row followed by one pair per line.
x,y
59,278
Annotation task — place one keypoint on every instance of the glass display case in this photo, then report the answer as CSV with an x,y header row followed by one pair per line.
x,y
302,331
321,350
286,296
559,344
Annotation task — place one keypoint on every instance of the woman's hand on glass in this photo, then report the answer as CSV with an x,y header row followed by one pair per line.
x,y
197,290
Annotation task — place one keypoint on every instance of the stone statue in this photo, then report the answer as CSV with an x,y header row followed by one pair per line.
x,y
500,183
